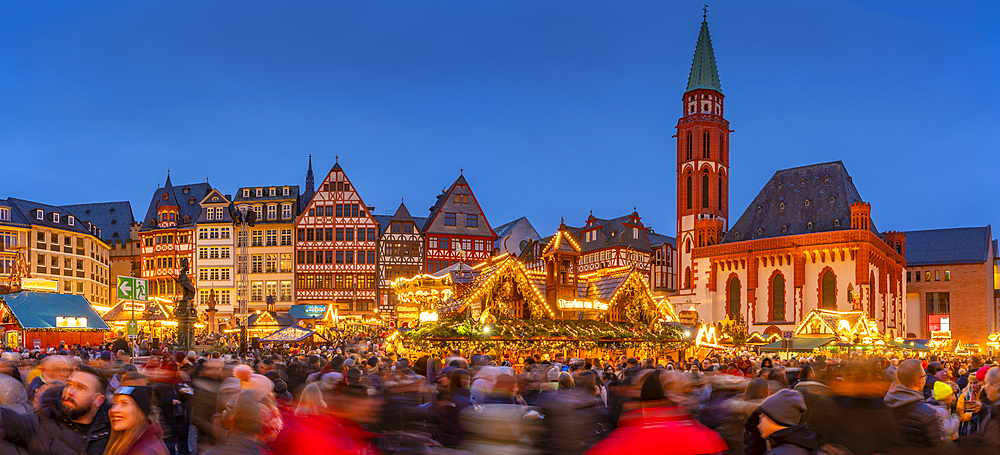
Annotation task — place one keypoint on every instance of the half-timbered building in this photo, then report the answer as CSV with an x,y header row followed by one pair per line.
x,y
457,229
400,253
167,235
335,248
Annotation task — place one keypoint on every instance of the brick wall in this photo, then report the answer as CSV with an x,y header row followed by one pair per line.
x,y
971,295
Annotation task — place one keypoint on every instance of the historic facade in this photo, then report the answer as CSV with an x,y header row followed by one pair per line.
x,y
457,229
272,244
663,263
214,267
335,248
400,253
54,244
168,235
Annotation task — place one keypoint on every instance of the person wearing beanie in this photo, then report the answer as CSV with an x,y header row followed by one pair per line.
x,y
916,422
943,403
132,433
244,419
778,424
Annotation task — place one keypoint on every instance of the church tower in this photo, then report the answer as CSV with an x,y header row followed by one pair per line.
x,y
702,162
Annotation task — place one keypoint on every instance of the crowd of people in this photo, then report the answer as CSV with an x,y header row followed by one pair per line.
x,y
353,397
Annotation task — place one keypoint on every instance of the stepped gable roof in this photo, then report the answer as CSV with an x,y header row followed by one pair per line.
x,y
614,232
26,210
184,193
948,246
704,72
114,218
820,194
655,240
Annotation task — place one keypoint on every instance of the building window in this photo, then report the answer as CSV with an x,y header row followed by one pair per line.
x,y
340,257
916,276
349,257
271,192
329,234
778,298
4,214
937,275
272,237
829,289
734,299
256,263
938,303
257,289
371,257
371,234
286,237
286,210
272,211
259,212
55,217
340,234
286,262
349,234
472,221
71,220
432,243
908,276
947,275
688,145
259,192
704,191
271,263
286,287
449,219
706,143
689,192
257,238
720,194
927,276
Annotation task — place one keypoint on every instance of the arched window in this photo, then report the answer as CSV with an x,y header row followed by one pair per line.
x,y
721,150
733,300
704,190
829,295
687,278
720,194
688,145
871,295
706,143
778,297
687,246
689,192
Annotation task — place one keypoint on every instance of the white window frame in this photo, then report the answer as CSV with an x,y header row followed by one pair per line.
x,y
259,192
272,211
55,217
39,214
271,192
246,192
71,220
284,191
286,211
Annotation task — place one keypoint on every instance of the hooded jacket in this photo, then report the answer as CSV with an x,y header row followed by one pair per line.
x,y
49,432
794,440
915,421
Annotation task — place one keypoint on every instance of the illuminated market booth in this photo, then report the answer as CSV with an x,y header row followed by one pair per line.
x,y
834,332
154,318
501,307
43,320
294,334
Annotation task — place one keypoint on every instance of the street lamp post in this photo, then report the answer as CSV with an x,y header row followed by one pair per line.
x,y
243,219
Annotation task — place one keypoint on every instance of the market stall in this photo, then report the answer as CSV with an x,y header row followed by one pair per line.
x,y
294,334
40,320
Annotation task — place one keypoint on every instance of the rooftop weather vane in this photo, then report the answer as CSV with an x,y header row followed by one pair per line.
x,y
704,11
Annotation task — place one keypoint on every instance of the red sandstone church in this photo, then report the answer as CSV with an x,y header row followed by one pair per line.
x,y
807,241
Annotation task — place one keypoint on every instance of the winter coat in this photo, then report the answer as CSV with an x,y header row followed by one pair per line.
x,y
736,412
645,431
574,421
237,444
48,431
916,422
811,392
150,442
857,423
794,440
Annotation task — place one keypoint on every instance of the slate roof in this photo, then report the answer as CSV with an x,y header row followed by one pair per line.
x,y
780,209
704,72
655,240
198,191
27,216
613,232
505,229
383,222
948,246
114,218
401,214
16,217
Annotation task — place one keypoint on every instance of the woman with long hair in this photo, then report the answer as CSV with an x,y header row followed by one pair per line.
x,y
132,433
311,401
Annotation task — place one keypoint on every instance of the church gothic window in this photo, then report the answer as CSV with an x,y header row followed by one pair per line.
x,y
828,282
733,302
706,143
704,190
778,297
688,145
720,194
689,191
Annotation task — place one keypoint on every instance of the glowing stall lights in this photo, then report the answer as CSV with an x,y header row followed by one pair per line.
x,y
71,322
707,337
428,316
572,305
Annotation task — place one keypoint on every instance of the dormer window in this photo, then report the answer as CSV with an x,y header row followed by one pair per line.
x,y
833,199
215,198
836,222
113,222
260,192
98,232
186,190
809,225
807,203
246,192
4,213
781,205
164,196
39,214
284,191
112,210
71,220
271,192
191,200
55,217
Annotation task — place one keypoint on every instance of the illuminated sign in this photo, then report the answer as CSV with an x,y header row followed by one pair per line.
x,y
688,317
133,306
71,322
571,305
706,337
428,316
315,310
39,284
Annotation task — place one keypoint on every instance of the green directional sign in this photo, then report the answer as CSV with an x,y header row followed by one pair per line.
x,y
133,328
132,288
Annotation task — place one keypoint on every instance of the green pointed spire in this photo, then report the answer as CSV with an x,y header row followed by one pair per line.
x,y
704,73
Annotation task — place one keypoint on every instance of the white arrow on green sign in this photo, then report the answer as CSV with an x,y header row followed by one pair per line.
x,y
132,288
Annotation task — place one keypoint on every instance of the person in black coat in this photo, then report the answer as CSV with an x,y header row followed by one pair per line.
x,y
916,422
71,420
855,417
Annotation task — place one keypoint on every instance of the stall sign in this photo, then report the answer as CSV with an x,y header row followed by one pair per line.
x,y
571,305
315,310
39,284
688,317
71,322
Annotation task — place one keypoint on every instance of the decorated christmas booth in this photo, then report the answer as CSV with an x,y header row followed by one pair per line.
x,y
294,334
502,308
839,332
154,318
42,320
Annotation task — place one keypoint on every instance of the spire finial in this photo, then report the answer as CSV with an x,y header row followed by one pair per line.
x,y
336,159
310,161
704,12
461,171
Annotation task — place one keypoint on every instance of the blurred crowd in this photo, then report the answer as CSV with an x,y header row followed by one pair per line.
x,y
352,397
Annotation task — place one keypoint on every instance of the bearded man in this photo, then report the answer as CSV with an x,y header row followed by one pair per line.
x,y
71,419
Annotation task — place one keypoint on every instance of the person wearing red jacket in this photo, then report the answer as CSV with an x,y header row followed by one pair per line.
x,y
658,420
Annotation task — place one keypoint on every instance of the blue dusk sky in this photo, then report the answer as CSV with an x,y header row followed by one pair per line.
x,y
553,109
